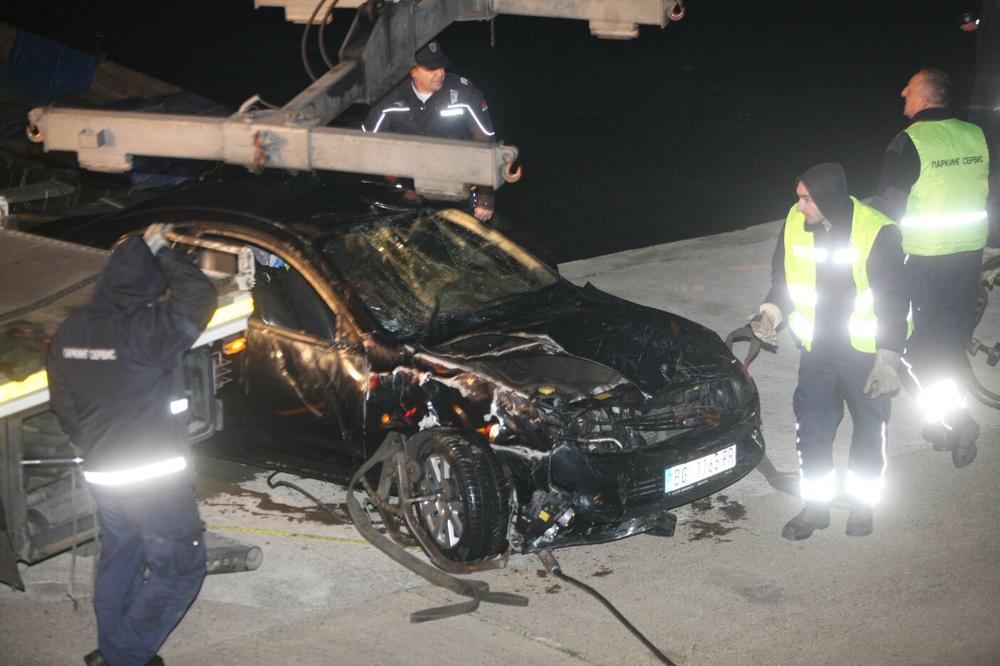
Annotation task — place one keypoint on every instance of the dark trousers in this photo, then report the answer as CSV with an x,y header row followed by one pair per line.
x,y
151,567
828,378
943,298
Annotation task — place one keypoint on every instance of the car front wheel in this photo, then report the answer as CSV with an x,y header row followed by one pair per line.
x,y
464,497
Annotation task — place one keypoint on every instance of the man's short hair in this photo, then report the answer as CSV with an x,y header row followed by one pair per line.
x,y
937,85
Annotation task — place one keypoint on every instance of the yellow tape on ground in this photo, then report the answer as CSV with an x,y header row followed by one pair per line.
x,y
301,535
281,533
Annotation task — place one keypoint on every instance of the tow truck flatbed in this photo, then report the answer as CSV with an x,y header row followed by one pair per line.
x,y
44,281
44,508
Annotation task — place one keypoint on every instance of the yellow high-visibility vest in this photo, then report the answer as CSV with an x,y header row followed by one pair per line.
x,y
946,209
801,258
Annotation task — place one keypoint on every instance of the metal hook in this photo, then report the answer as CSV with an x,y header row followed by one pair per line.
x,y
509,174
34,133
677,10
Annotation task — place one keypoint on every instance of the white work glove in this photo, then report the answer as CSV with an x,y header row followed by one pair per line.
x,y
154,236
884,377
765,327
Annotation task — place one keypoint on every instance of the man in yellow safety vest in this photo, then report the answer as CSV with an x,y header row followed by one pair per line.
x,y
934,182
836,276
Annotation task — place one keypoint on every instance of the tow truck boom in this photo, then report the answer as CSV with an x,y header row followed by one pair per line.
x,y
377,52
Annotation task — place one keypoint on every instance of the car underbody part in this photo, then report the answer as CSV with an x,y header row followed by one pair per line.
x,y
989,278
786,482
552,566
225,555
392,454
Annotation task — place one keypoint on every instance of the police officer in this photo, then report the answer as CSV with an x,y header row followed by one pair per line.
x,y
934,181
432,102
116,384
837,277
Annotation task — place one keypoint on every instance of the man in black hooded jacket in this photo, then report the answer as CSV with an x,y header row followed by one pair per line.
x,y
836,276
116,384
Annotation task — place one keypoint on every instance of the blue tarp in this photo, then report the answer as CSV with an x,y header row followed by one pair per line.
x,y
41,70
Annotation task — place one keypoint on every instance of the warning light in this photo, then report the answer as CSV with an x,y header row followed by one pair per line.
x,y
386,419
234,346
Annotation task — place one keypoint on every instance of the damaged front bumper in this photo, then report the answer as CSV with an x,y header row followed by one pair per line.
x,y
600,497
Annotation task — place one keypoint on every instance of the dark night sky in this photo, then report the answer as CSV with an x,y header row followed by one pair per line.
x,y
690,130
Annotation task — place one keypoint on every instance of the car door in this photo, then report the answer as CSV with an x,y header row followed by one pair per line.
x,y
297,399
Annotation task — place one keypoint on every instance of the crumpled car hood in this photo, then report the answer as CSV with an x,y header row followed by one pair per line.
x,y
580,348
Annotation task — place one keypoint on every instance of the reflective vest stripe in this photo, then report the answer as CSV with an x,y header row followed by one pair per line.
x,y
946,208
817,490
459,109
801,258
136,474
391,109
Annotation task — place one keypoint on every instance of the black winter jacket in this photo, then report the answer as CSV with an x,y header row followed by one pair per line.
x,y
114,366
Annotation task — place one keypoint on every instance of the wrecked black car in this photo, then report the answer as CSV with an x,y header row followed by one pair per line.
x,y
535,413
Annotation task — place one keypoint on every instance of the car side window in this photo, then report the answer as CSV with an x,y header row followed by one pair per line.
x,y
309,307
283,297
270,297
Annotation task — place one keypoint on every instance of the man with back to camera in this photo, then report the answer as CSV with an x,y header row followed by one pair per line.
x,y
432,102
934,182
116,384
836,274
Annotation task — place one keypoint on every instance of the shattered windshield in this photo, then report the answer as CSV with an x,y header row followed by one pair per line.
x,y
416,270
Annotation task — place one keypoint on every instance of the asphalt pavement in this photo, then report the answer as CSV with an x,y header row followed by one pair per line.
x,y
725,589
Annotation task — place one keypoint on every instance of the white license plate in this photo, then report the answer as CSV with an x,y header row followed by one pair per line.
x,y
683,475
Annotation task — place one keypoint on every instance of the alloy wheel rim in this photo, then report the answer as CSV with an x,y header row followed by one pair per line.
x,y
444,515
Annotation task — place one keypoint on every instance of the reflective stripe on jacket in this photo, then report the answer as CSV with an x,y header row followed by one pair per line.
x,y
801,258
946,208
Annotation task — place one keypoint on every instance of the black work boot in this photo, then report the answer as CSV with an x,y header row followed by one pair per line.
x,y
964,453
962,439
813,516
937,435
95,658
859,522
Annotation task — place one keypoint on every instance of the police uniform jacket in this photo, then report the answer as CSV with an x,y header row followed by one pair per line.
x,y
457,111
114,366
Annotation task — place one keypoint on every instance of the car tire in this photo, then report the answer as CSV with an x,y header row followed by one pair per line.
x,y
468,516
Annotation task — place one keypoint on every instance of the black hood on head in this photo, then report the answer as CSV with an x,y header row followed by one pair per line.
x,y
132,278
827,186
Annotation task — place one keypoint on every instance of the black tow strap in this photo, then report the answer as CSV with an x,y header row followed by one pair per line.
x,y
477,591
785,482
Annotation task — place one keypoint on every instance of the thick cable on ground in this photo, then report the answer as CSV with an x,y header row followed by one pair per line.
x,y
552,565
